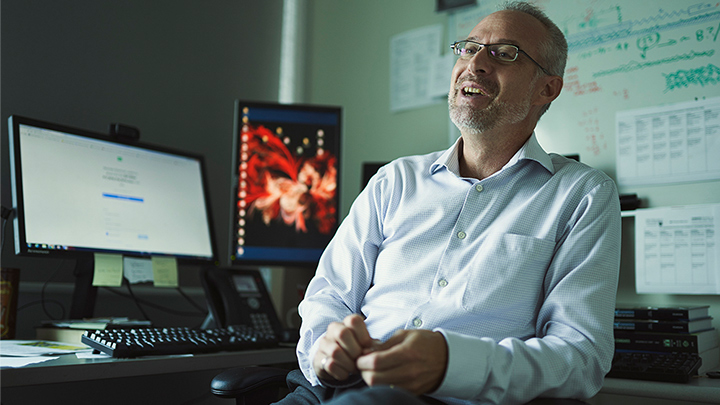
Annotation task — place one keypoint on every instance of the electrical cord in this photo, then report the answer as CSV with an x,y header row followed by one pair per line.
x,y
42,294
5,214
44,301
145,302
191,301
135,299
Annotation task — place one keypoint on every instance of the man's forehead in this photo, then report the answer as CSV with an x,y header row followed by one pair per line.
x,y
509,27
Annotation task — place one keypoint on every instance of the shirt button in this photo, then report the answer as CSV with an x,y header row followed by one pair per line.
x,y
443,282
461,235
417,322
479,187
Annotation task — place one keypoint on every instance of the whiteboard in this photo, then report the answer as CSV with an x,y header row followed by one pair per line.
x,y
623,55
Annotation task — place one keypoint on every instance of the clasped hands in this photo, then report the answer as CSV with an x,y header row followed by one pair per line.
x,y
415,360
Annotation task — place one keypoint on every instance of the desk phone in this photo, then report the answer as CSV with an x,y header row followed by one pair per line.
x,y
239,297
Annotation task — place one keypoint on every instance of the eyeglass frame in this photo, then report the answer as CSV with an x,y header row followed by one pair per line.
x,y
453,46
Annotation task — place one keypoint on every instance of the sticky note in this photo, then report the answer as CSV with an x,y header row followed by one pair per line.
x,y
165,271
137,270
108,271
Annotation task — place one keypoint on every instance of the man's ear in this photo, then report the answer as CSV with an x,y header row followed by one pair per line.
x,y
550,87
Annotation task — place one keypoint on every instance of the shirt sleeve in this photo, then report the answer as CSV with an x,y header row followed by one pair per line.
x,y
573,347
343,277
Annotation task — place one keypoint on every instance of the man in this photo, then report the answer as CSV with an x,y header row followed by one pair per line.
x,y
482,274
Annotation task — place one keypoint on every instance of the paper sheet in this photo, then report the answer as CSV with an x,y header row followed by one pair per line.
x,y
412,54
677,250
32,348
440,72
137,270
16,362
669,144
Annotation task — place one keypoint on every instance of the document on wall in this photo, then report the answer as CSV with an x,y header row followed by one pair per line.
x,y
669,144
413,54
677,250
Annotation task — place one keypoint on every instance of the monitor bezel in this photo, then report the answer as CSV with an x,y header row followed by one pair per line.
x,y
240,103
21,245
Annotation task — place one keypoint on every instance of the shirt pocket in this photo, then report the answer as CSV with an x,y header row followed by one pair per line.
x,y
505,279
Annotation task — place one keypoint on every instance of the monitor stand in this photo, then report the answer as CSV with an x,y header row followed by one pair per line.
x,y
84,294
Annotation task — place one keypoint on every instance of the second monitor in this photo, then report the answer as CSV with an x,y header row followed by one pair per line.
x,y
285,179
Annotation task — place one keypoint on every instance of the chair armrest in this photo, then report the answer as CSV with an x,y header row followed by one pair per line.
x,y
240,381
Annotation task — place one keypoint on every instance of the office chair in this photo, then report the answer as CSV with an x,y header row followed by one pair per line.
x,y
265,385
251,385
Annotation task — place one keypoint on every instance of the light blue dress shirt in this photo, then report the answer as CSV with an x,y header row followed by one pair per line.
x,y
518,271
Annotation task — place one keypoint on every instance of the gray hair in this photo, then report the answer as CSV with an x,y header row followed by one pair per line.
x,y
554,48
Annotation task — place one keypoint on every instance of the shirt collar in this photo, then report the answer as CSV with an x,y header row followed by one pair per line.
x,y
531,150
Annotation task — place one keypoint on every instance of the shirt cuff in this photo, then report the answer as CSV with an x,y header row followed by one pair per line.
x,y
467,367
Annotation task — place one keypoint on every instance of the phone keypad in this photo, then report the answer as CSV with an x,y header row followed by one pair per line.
x,y
262,323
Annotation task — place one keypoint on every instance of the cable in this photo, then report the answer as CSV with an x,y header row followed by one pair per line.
x,y
5,214
154,305
191,301
43,302
135,300
42,294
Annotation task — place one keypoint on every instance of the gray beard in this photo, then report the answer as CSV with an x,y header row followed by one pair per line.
x,y
497,113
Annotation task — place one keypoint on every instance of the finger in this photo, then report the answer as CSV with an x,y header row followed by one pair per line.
x,y
385,357
356,323
327,367
338,350
332,360
345,338
414,360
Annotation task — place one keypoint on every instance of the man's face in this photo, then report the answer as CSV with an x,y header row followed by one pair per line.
x,y
486,93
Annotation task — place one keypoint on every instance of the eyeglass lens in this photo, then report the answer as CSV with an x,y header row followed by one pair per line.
x,y
504,52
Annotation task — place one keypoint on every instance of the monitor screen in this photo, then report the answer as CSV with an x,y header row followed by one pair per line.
x,y
285,182
76,192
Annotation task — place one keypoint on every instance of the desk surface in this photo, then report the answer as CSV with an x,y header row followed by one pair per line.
x,y
701,389
68,368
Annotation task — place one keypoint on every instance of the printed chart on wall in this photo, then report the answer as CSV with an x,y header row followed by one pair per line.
x,y
662,56
677,249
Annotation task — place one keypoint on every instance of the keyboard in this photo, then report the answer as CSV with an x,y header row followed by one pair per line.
x,y
666,367
176,340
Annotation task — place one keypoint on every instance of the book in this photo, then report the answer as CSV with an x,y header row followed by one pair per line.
x,y
663,313
672,326
71,331
66,335
697,342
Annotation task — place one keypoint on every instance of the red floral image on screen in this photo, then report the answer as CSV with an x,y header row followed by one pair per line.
x,y
287,186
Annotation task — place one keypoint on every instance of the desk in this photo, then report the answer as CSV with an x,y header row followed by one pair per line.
x,y
186,380
161,379
617,391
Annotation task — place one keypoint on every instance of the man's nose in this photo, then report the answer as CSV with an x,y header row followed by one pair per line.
x,y
480,62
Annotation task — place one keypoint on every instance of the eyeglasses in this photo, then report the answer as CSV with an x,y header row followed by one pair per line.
x,y
502,52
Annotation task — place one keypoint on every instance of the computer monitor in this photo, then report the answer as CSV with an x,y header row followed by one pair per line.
x,y
77,193
285,182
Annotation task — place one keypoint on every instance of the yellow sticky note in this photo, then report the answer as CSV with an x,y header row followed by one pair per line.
x,y
108,270
165,271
